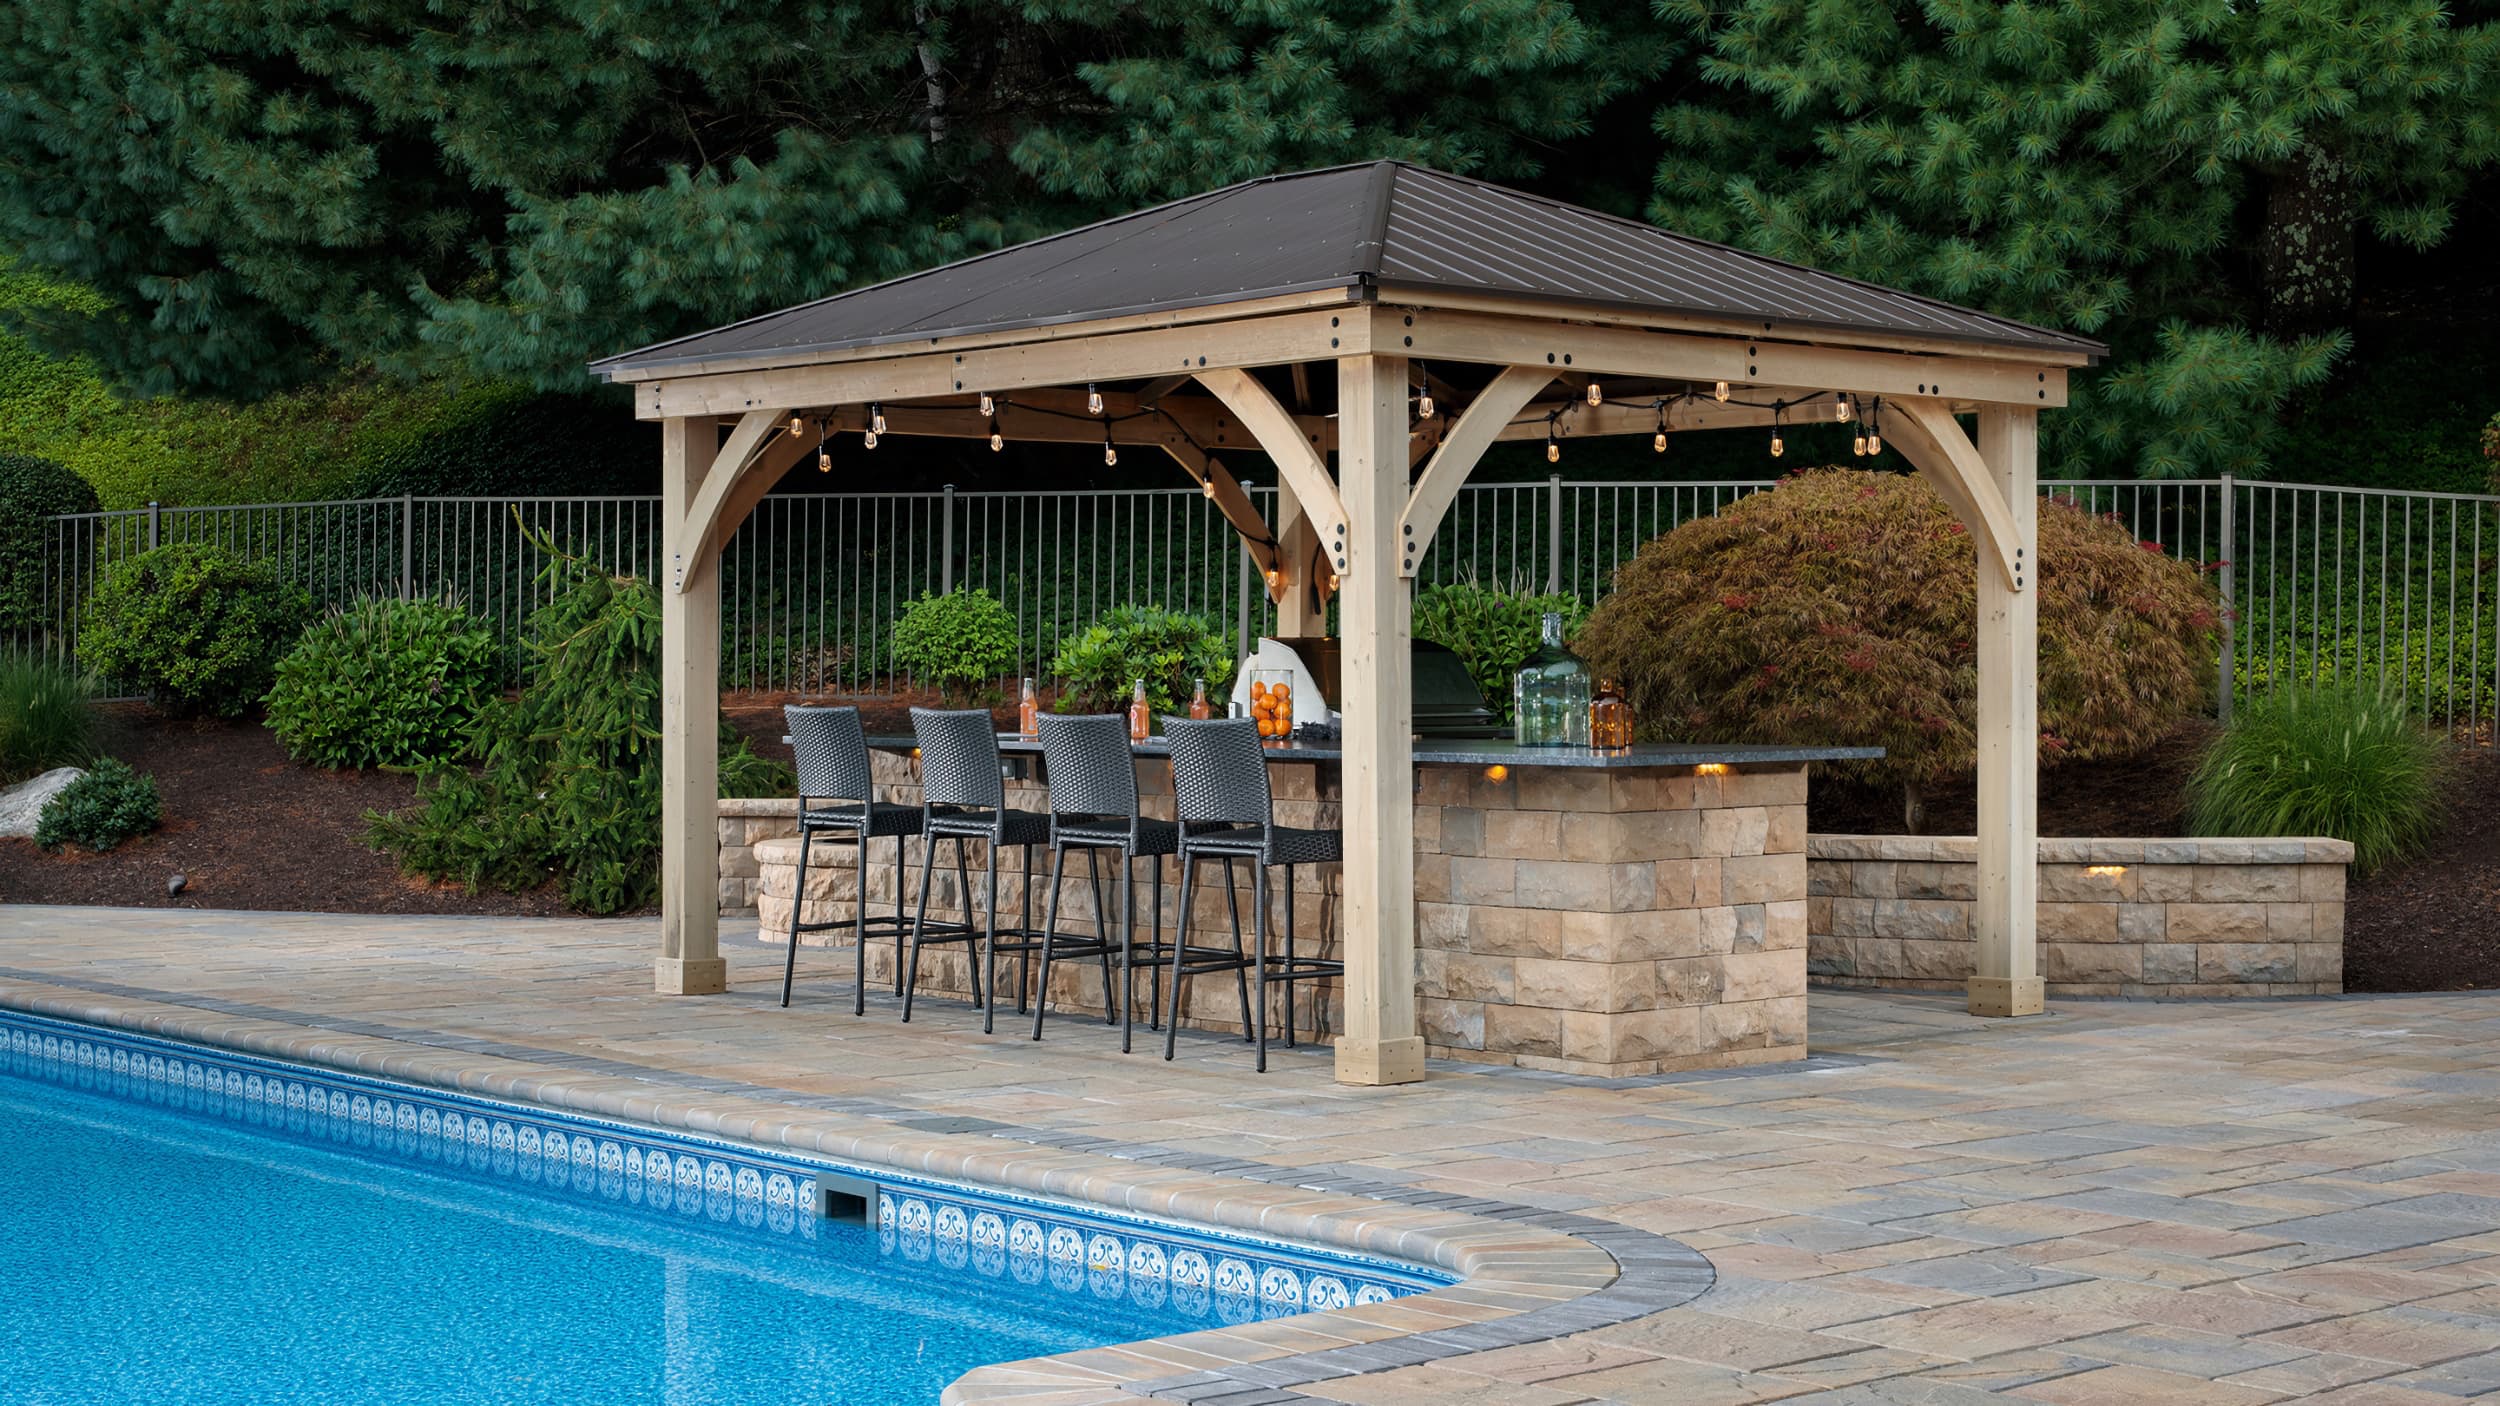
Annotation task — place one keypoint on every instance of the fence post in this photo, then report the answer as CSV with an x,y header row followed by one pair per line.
x,y
407,546
2230,609
946,541
156,518
1553,534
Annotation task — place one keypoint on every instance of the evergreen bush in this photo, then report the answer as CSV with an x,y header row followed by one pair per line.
x,y
2341,759
196,628
47,716
1841,608
567,786
384,683
1169,649
958,642
101,809
31,491
1491,631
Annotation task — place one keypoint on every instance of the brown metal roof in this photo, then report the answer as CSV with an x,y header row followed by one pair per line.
x,y
1381,226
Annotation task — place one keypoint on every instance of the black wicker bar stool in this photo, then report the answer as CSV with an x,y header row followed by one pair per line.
x,y
1094,808
963,797
1219,785
832,756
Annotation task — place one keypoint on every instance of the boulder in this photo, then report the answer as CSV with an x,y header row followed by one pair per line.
x,y
21,805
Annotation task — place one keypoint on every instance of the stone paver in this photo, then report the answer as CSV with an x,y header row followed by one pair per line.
x,y
2195,1202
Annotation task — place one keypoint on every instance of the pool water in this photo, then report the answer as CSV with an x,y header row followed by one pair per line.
x,y
149,1255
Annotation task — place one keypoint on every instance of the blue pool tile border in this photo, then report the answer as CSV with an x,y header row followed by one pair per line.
x,y
1193,1279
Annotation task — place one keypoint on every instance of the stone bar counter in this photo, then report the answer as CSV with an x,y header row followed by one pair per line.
x,y
1612,913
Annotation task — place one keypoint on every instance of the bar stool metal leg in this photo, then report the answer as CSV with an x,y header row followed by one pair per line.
x,y
1050,935
798,898
1180,944
985,972
1241,977
919,923
1289,1040
1258,955
1102,930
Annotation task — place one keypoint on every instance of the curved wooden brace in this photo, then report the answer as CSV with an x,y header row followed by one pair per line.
x,y
1247,524
1461,446
708,521
1276,431
1928,435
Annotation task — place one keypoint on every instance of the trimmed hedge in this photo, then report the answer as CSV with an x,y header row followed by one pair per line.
x,y
196,628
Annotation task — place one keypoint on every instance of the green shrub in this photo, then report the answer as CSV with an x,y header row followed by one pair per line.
x,y
2342,760
196,628
47,716
101,809
384,683
1167,648
1841,608
568,782
958,642
1492,632
32,490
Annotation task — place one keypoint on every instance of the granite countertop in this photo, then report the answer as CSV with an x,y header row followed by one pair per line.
x,y
1454,752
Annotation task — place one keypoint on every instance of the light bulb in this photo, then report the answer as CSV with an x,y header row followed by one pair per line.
x,y
1858,446
824,462
1842,413
1658,444
997,440
1207,485
988,407
1597,395
797,427
1874,444
1777,447
1721,392
868,439
1110,455
1332,583
1553,452
1275,578
876,418
1423,406
1093,400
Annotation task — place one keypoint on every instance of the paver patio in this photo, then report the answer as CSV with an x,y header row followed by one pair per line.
x,y
2116,1202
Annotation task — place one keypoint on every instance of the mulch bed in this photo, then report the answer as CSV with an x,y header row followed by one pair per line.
x,y
249,829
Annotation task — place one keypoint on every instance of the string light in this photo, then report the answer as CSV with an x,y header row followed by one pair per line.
x,y
1721,392
1110,454
997,441
1875,429
797,427
867,439
1844,411
1423,398
1658,444
1597,394
988,406
1778,446
876,417
1553,446
824,456
1093,400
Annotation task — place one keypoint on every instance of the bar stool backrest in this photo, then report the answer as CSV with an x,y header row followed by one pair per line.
x,y
959,763
1092,771
831,751
1219,772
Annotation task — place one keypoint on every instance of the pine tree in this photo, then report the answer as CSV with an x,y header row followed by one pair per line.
x,y
2184,180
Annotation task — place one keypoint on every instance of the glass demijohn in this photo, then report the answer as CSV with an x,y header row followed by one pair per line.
x,y
1550,693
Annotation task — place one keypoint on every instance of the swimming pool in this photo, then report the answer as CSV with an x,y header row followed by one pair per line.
x,y
188,1225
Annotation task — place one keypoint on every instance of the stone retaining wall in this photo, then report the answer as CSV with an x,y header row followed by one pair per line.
x,y
2214,917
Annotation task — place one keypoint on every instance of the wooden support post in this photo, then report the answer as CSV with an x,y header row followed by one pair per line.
x,y
1375,617
1297,610
689,961
2005,978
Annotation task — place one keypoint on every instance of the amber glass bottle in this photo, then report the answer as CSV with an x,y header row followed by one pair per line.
x,y
1140,714
1029,711
1199,708
1610,717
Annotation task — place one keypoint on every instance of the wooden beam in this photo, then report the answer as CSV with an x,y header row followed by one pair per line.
x,y
1624,351
702,543
1462,445
1380,1042
1075,361
1229,499
1401,300
2005,977
1297,461
1929,436
689,961
1213,313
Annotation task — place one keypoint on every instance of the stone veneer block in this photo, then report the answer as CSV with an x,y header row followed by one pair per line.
x,y
2117,917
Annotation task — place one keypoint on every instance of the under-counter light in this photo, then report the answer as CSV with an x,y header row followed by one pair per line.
x,y
1497,772
1710,769
2106,871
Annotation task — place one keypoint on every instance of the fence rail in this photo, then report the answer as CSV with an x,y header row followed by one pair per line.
x,y
2320,581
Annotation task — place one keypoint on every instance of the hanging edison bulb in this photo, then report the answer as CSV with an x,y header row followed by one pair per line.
x,y
1206,486
1658,443
997,441
1597,394
1874,444
876,418
867,439
824,456
797,426
1423,406
1093,400
1857,446
988,407
1721,391
1843,411
1778,445
1110,454
1553,446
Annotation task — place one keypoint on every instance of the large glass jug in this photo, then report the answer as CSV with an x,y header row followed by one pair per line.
x,y
1550,693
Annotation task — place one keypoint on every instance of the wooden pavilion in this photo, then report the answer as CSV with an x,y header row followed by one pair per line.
x,y
1371,330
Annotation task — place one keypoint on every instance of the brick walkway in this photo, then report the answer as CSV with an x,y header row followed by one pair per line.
x,y
2115,1203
